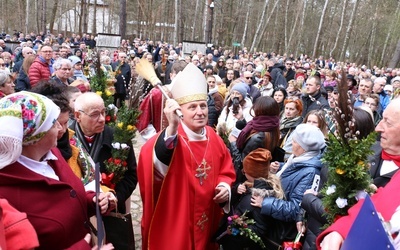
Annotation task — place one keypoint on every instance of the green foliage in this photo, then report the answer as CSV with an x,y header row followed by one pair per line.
x,y
348,173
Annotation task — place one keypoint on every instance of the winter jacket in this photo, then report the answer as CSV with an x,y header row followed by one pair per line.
x,y
254,92
296,179
23,82
317,102
315,213
215,104
123,78
230,120
278,80
39,70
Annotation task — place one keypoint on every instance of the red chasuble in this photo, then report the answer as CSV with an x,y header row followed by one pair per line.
x,y
184,216
152,111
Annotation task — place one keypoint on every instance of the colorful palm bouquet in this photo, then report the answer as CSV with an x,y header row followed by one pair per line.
x,y
239,225
346,158
122,121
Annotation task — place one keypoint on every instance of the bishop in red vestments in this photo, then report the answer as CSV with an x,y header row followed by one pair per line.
x,y
184,173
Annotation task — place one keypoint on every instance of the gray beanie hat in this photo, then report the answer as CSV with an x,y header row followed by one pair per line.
x,y
240,87
309,137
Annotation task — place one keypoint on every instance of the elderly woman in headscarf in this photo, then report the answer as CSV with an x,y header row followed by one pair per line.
x,y
36,179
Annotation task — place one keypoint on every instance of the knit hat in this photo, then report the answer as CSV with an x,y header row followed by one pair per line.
x,y
256,163
240,87
388,87
29,117
74,60
309,137
259,68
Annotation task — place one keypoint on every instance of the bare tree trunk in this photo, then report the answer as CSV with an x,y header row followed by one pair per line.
x,y
396,56
26,17
286,24
181,30
300,30
43,21
205,20
122,18
176,26
94,19
340,27
373,36
81,20
53,15
388,34
265,24
321,21
85,15
246,23
256,35
348,31
196,9
294,26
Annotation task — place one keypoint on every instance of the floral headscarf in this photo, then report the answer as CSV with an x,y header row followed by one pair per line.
x,y
25,117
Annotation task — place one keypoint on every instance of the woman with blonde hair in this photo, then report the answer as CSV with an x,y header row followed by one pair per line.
x,y
294,89
23,82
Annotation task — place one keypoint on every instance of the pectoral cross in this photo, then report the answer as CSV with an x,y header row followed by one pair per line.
x,y
202,220
202,171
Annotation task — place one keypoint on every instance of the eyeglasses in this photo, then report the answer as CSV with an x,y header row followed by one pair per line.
x,y
95,115
248,77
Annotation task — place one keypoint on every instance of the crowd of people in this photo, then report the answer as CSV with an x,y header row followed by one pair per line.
x,y
250,141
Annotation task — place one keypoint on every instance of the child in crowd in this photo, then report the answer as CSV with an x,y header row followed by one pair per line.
x,y
259,182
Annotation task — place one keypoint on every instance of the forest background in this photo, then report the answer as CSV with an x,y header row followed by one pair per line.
x,y
362,31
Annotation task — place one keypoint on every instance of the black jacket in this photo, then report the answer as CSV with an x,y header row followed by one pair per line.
x,y
256,140
376,163
123,79
125,187
317,102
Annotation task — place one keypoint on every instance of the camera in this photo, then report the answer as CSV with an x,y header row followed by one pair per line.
x,y
235,105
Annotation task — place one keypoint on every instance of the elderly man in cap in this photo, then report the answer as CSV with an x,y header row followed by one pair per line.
x,y
387,199
185,172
